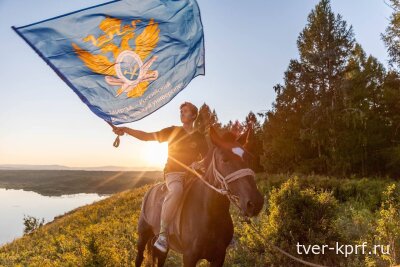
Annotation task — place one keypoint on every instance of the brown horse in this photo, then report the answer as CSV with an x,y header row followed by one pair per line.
x,y
206,227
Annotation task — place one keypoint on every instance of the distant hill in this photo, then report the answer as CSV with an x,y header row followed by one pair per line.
x,y
62,182
62,167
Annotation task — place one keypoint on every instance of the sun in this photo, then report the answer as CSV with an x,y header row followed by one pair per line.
x,y
155,154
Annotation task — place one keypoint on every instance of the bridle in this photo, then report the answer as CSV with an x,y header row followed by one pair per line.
x,y
224,180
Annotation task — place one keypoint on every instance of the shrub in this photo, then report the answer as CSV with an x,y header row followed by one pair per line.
x,y
303,216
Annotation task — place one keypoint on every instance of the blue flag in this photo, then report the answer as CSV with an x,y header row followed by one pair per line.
x,y
124,59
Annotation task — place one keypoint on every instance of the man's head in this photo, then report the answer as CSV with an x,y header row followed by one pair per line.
x,y
189,112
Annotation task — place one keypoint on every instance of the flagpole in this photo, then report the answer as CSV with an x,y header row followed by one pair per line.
x,y
117,141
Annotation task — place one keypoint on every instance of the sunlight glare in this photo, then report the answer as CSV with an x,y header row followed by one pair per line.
x,y
155,154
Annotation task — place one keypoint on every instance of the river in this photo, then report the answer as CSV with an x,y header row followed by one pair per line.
x,y
14,204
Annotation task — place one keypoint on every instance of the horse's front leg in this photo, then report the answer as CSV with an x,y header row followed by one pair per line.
x,y
189,260
161,257
219,260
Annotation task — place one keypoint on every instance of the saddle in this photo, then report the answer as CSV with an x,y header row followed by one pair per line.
x,y
151,210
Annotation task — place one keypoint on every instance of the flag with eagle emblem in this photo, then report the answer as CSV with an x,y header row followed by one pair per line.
x,y
124,59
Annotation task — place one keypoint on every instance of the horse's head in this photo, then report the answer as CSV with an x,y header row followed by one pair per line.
x,y
230,162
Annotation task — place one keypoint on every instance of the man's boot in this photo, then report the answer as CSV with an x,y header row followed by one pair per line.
x,y
162,241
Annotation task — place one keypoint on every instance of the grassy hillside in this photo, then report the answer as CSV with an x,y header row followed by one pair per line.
x,y
313,210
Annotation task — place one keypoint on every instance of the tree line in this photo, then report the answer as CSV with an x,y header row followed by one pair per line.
x,y
338,109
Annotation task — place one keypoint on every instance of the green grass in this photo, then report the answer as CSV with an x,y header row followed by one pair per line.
x,y
104,233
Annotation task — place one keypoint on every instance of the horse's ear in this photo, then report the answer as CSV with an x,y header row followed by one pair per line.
x,y
244,137
215,138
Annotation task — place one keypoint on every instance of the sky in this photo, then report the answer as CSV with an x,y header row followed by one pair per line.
x,y
248,45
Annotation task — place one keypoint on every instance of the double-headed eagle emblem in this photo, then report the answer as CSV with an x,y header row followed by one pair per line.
x,y
129,70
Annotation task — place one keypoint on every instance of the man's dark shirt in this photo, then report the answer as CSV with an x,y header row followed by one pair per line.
x,y
182,146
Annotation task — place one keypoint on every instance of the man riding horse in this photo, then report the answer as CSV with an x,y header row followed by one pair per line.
x,y
186,146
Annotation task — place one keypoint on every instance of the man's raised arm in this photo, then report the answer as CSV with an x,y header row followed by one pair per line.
x,y
160,136
141,135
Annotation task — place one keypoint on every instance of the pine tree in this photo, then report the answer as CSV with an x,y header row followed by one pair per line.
x,y
254,141
391,96
304,135
206,118
337,112
362,130
392,35
391,107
